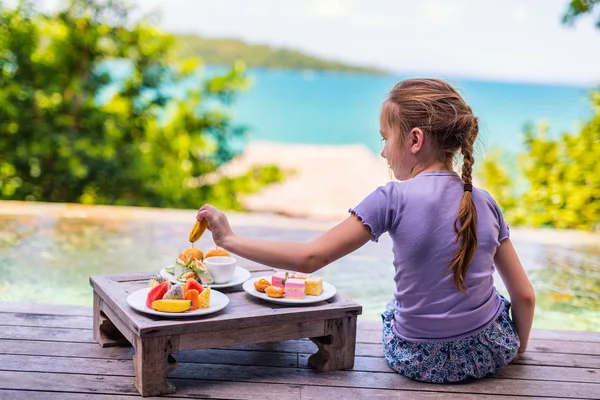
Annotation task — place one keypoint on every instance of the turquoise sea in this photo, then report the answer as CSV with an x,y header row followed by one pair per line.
x,y
294,106
317,107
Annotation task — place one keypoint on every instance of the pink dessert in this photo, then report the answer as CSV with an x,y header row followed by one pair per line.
x,y
277,279
294,289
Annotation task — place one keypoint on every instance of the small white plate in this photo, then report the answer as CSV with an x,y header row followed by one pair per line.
x,y
240,275
137,300
328,292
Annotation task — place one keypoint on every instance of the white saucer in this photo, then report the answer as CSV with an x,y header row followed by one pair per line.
x,y
137,300
328,292
240,275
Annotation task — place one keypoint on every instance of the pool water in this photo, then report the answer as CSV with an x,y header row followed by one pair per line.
x,y
48,252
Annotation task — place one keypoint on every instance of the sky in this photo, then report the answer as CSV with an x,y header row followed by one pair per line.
x,y
504,40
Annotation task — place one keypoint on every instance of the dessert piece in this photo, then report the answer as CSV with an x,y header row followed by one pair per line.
x,y
298,275
274,291
278,279
189,254
171,305
175,292
294,288
204,298
261,284
186,261
216,253
314,286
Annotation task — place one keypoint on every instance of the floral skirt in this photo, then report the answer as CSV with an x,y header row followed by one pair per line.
x,y
471,357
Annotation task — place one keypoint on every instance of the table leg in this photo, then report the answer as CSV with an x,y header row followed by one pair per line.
x,y
105,332
153,362
337,347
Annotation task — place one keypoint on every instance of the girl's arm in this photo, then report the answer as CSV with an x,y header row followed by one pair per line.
x,y
309,257
519,288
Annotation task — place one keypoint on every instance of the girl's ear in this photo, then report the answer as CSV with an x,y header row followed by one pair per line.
x,y
416,139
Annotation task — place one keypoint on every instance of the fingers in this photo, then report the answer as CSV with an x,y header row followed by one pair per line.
x,y
203,214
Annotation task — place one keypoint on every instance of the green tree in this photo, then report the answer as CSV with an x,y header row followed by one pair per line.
x,y
580,7
562,175
71,130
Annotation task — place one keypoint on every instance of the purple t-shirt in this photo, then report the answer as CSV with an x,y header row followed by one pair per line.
x,y
419,215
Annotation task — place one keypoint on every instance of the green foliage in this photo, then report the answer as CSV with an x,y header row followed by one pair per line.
x,y
140,146
226,51
579,7
562,175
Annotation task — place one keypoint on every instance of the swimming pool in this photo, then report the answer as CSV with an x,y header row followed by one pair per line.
x,y
48,252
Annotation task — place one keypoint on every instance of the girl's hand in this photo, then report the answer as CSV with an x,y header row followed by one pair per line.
x,y
217,223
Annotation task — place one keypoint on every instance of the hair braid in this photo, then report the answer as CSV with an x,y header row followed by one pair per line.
x,y
465,224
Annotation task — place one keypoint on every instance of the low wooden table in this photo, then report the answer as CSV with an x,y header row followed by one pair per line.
x,y
331,325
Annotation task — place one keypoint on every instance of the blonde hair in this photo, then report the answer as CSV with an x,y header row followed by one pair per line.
x,y
436,107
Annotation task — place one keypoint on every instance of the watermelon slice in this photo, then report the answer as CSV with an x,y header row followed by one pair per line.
x,y
157,293
191,283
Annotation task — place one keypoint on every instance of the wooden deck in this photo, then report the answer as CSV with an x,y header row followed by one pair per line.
x,y
47,352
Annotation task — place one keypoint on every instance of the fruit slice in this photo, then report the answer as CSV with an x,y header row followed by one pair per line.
x,y
192,295
204,298
175,292
157,293
171,305
198,230
192,284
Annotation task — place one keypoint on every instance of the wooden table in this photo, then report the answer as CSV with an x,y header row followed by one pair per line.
x,y
330,324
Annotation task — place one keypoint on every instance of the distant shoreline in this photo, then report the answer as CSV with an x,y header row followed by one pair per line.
x,y
226,51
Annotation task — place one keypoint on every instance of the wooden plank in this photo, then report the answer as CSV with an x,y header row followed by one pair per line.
x,y
559,360
535,344
307,393
365,325
121,385
48,334
579,373
46,320
92,350
59,349
293,376
39,308
29,394
259,334
329,393
386,380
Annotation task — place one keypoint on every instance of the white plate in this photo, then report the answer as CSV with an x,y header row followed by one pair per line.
x,y
137,300
240,275
328,292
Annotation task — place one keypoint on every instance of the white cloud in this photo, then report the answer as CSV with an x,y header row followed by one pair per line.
x,y
520,14
331,8
441,13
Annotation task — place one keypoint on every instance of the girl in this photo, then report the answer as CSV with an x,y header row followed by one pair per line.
x,y
447,322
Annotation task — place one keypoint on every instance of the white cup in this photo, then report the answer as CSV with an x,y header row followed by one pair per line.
x,y
221,268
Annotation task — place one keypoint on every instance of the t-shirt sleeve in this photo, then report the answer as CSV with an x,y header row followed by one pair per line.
x,y
503,228
377,211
